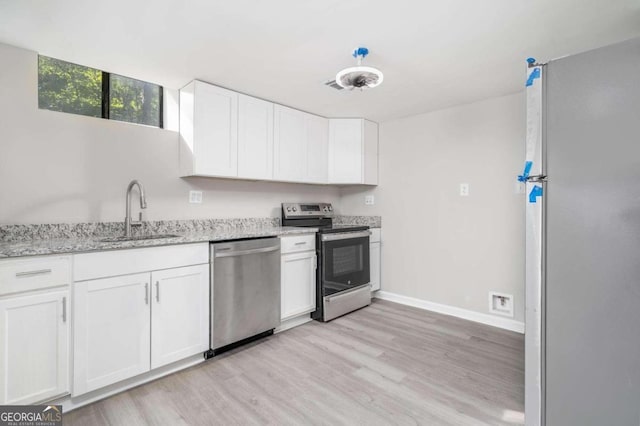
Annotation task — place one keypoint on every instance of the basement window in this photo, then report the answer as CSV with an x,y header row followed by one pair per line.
x,y
76,89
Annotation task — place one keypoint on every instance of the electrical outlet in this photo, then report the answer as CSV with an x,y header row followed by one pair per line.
x,y
464,189
520,188
501,304
195,197
369,200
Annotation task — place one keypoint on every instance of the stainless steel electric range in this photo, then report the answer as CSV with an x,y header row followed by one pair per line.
x,y
342,277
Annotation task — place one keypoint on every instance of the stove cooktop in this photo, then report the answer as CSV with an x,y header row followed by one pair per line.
x,y
315,215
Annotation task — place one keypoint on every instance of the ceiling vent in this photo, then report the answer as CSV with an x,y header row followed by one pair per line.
x,y
358,77
333,85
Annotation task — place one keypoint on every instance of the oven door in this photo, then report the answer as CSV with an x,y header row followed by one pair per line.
x,y
344,261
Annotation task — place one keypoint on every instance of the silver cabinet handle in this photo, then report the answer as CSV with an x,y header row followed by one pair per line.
x,y
64,309
301,243
245,252
158,291
31,273
345,235
146,293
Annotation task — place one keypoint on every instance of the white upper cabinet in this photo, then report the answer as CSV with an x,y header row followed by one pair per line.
x,y
231,135
353,151
290,147
255,138
301,144
208,130
317,149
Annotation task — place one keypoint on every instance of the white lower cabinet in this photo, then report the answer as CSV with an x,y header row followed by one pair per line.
x,y
298,272
112,328
374,261
179,314
131,324
34,347
375,244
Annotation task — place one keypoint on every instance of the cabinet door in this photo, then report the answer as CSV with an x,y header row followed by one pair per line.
x,y
290,144
345,150
179,314
34,347
317,149
370,172
215,131
374,262
298,284
112,332
255,138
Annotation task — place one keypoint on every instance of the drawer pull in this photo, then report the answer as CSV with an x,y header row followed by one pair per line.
x,y
301,243
32,273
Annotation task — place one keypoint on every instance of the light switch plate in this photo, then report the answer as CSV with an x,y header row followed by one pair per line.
x,y
195,197
369,200
464,189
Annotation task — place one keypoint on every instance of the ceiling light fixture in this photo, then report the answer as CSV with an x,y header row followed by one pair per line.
x,y
359,76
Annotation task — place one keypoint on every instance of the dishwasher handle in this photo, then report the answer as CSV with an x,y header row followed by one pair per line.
x,y
245,252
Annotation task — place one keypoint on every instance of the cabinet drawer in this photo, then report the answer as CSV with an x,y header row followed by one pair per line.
x,y
28,274
104,264
375,235
297,243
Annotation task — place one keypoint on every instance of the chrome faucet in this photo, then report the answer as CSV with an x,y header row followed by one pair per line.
x,y
128,223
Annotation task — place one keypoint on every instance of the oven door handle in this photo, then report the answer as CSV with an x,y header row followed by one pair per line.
x,y
345,235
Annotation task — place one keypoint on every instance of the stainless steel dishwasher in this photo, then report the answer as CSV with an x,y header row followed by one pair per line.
x,y
245,293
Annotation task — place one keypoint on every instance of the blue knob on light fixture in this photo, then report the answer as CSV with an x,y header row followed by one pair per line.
x,y
360,51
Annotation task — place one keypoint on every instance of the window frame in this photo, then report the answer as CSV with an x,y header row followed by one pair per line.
x,y
106,96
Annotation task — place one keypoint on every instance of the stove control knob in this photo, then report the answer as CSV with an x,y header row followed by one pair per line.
x,y
288,209
330,208
295,209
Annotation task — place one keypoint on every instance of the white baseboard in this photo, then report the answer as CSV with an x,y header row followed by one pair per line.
x,y
505,323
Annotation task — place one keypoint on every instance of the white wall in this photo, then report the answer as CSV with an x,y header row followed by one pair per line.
x,y
438,246
57,167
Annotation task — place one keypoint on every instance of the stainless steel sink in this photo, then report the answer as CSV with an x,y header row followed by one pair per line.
x,y
137,238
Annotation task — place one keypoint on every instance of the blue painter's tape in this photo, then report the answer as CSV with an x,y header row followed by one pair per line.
x,y
531,61
536,192
534,74
525,174
360,51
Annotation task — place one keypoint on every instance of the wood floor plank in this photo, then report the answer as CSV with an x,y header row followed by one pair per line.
x,y
384,364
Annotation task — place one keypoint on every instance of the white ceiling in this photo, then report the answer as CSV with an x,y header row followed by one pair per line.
x,y
434,54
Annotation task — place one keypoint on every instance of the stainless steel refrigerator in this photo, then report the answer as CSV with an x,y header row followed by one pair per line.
x,y
583,239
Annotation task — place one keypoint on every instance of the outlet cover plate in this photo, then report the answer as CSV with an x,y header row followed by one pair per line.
x,y
195,197
369,200
464,189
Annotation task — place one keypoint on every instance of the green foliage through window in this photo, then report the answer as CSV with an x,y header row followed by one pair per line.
x,y
76,89
67,87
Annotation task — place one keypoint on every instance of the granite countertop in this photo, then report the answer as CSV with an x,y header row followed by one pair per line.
x,y
46,239
84,244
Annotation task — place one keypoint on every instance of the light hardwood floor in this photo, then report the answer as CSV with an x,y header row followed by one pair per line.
x,y
386,364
